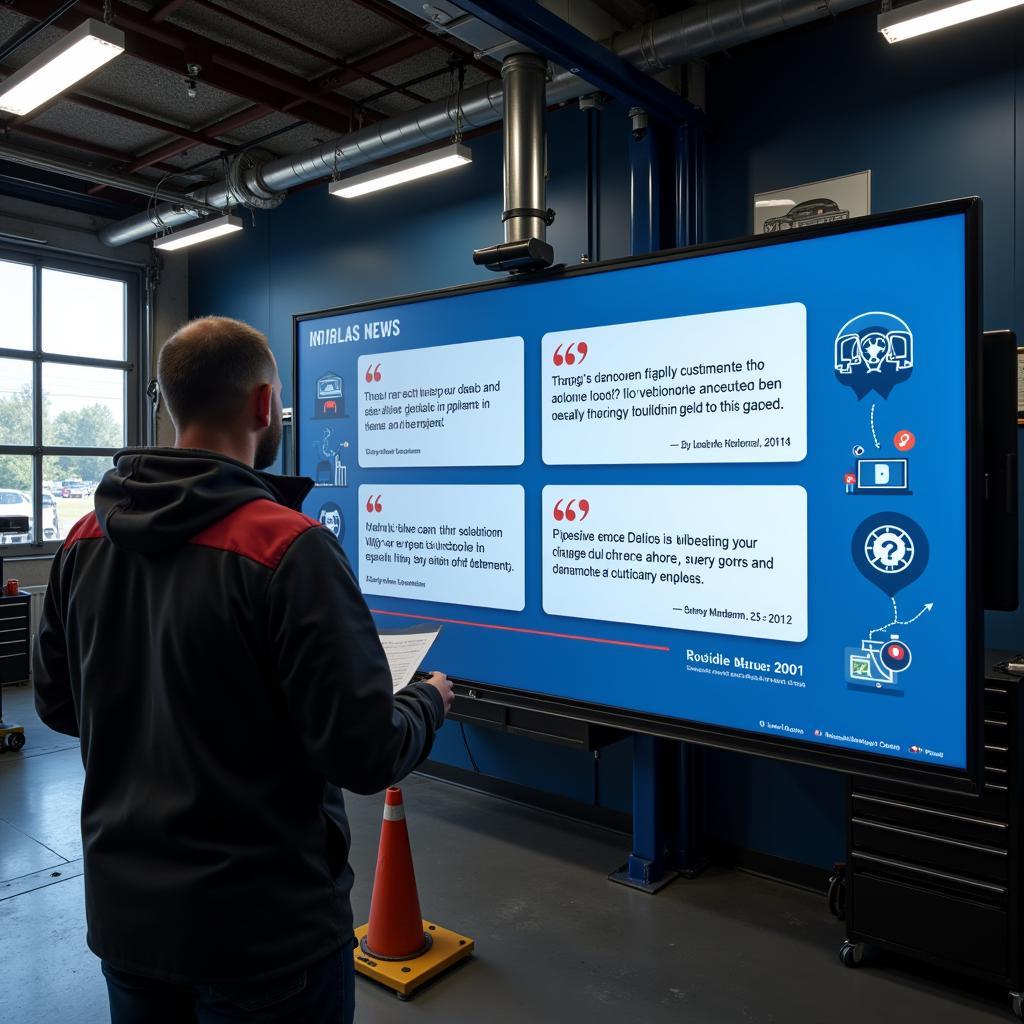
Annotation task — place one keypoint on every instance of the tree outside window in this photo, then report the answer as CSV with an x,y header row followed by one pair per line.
x,y
68,335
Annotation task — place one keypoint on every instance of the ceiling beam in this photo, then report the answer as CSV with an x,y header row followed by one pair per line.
x,y
417,28
91,103
165,10
379,58
297,44
69,142
223,67
200,137
173,149
554,38
83,172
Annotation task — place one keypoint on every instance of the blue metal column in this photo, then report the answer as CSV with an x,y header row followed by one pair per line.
x,y
687,855
689,184
651,863
644,189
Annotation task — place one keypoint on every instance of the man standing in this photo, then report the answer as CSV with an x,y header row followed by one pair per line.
x,y
210,646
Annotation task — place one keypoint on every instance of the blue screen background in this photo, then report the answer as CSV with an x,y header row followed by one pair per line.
x,y
915,270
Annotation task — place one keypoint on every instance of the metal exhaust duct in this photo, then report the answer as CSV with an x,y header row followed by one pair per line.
x,y
660,44
526,216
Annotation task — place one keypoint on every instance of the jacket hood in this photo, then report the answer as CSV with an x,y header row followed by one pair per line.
x,y
160,498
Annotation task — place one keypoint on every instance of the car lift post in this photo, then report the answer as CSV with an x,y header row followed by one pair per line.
x,y
666,795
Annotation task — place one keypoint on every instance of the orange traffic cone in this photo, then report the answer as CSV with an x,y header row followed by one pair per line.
x,y
395,931
398,948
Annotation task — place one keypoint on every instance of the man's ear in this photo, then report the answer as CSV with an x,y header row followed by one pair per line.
x,y
264,405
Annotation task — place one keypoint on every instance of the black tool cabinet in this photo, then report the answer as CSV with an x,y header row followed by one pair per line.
x,y
936,876
14,638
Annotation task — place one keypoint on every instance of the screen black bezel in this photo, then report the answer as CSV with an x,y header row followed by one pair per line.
x,y
798,751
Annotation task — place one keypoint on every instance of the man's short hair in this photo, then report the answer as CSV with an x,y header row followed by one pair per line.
x,y
208,368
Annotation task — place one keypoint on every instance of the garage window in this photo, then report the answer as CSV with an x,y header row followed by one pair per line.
x,y
69,342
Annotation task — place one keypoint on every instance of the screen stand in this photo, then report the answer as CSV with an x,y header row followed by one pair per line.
x,y
648,866
665,819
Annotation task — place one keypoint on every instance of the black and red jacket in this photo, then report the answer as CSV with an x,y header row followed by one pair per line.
x,y
210,646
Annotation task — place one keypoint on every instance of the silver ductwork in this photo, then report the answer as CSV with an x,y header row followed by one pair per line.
x,y
694,32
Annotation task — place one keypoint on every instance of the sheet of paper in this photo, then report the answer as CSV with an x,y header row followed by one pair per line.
x,y
406,649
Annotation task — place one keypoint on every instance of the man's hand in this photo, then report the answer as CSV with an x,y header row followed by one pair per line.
x,y
440,682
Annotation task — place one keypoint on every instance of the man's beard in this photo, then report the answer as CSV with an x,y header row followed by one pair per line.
x,y
269,443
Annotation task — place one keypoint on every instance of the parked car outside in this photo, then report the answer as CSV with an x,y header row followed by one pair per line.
x,y
19,503
15,503
51,520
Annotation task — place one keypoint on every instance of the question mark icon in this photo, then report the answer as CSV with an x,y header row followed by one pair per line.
x,y
890,550
904,440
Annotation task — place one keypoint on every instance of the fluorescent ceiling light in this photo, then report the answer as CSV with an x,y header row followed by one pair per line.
x,y
201,232
57,68
415,167
930,15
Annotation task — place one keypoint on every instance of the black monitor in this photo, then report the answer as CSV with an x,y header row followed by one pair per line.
x,y
730,494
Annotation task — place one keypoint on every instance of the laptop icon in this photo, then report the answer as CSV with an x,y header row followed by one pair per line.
x,y
878,475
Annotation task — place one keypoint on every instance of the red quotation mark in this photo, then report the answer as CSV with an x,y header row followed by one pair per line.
x,y
373,504
569,513
570,356
373,374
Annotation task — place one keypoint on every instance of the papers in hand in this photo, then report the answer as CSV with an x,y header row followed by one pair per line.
x,y
406,649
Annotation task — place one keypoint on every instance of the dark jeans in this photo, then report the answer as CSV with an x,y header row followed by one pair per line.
x,y
323,993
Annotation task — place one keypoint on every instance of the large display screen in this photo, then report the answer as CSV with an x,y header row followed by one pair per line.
x,y
727,488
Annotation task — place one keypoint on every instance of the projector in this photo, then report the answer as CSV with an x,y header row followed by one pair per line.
x,y
516,257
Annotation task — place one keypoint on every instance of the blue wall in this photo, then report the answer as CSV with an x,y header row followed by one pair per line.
x,y
932,119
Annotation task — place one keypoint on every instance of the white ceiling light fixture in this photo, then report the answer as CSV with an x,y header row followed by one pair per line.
x,y
57,68
924,16
204,231
455,155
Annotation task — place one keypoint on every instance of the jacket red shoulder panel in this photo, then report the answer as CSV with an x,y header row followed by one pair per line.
x,y
87,528
261,530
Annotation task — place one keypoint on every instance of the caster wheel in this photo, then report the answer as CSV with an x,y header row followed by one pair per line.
x,y
15,741
1017,1004
851,953
401,998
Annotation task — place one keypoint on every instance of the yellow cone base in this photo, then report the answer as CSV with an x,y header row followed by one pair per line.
x,y
405,976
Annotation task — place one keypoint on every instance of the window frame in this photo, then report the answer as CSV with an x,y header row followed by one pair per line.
x,y
90,266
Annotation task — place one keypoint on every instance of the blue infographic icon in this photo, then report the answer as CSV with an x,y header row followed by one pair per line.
x,y
890,550
331,517
874,352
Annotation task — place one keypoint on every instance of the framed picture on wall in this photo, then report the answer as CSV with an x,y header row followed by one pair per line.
x,y
819,202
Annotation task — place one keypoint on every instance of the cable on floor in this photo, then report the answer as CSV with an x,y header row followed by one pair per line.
x,y
469,752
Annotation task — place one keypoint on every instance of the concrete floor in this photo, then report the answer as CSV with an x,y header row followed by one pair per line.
x,y
555,940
